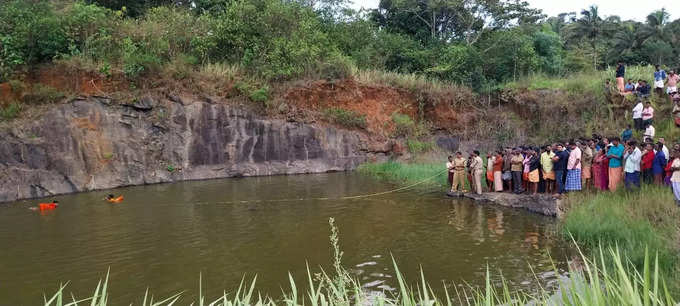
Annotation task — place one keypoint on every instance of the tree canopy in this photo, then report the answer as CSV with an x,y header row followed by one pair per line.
x,y
478,43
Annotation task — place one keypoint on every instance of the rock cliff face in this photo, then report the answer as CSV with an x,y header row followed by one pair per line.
x,y
92,143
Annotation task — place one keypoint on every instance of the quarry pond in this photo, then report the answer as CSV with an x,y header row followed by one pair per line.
x,y
164,237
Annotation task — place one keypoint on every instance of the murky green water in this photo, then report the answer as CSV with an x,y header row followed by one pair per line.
x,y
161,237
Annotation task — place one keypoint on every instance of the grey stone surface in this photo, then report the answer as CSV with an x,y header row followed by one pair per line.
x,y
91,144
541,203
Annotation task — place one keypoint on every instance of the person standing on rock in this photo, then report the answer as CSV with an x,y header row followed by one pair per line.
x,y
490,159
498,172
477,169
534,165
560,167
586,163
547,169
507,169
620,75
632,157
573,182
659,78
615,155
637,115
451,171
458,166
517,167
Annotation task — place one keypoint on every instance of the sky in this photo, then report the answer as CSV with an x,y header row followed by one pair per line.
x,y
626,9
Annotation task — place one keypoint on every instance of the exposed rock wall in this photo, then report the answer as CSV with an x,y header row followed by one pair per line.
x,y
92,143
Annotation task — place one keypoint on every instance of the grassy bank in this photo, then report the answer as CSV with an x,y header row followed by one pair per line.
x,y
632,221
589,285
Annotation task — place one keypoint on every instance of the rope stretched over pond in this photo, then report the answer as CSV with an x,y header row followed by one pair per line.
x,y
329,198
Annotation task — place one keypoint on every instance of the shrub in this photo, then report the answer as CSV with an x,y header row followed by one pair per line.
x,y
335,67
259,95
416,146
403,125
274,39
346,118
10,111
30,32
42,94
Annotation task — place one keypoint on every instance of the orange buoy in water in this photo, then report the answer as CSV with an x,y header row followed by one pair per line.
x,y
115,200
48,206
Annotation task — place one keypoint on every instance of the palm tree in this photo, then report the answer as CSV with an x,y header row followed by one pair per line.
x,y
655,27
590,27
626,39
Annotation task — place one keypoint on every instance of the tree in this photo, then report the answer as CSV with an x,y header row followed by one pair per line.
x,y
590,27
655,27
445,21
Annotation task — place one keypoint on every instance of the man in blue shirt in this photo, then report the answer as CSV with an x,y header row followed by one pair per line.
x,y
627,134
560,167
659,78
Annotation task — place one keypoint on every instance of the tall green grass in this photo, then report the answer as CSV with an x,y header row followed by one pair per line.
x,y
590,284
402,173
628,220
589,81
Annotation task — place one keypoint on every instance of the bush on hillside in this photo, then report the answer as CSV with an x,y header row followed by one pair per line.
x,y
10,111
346,118
42,94
275,39
403,125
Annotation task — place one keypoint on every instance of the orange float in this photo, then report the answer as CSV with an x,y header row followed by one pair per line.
x,y
116,200
47,206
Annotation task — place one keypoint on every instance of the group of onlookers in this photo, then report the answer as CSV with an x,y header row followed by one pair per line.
x,y
598,163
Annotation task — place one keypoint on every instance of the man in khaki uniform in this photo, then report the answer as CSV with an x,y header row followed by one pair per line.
x,y
477,169
458,173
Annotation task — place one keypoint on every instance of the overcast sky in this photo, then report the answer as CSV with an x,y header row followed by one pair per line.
x,y
626,9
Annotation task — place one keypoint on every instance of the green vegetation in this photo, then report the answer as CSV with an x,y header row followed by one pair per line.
x,y
417,146
631,221
592,285
10,111
405,174
346,118
491,43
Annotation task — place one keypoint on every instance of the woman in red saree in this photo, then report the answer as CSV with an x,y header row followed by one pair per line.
x,y
601,170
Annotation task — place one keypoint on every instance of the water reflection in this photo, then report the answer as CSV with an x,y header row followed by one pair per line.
x,y
161,237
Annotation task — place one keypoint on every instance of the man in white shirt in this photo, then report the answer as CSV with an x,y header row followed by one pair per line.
x,y
632,156
637,115
665,149
649,133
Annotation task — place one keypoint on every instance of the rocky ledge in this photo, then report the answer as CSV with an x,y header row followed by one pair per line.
x,y
97,143
541,203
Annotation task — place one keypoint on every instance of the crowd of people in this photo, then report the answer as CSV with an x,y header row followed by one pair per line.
x,y
596,163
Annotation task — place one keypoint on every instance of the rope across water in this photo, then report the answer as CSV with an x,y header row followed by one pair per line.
x,y
328,198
